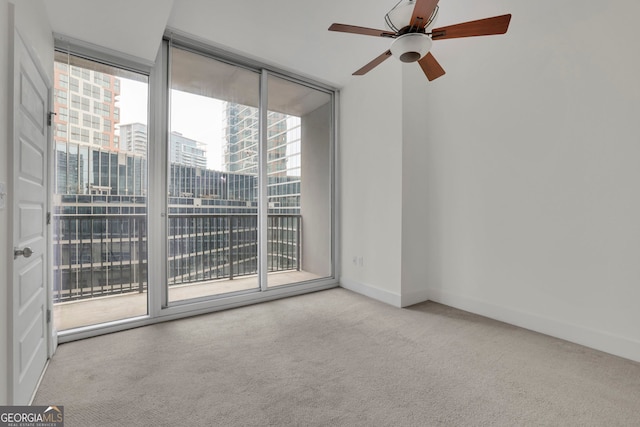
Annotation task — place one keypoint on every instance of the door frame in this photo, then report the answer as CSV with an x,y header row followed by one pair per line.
x,y
50,335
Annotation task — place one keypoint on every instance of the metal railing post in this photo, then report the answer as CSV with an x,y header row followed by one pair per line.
x,y
230,219
140,248
92,278
299,243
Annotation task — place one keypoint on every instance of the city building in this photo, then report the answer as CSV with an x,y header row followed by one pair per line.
x,y
241,142
85,105
283,151
133,138
186,151
86,143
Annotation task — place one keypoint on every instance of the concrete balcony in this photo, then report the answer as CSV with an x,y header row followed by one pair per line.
x,y
100,263
93,311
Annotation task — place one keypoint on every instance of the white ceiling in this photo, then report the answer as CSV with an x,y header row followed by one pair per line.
x,y
133,27
288,34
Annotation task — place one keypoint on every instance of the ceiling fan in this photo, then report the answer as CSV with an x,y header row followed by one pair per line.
x,y
411,23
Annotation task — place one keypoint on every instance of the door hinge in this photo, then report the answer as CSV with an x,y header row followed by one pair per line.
x,y
50,117
48,218
48,315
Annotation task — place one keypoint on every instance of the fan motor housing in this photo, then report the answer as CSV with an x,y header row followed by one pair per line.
x,y
411,47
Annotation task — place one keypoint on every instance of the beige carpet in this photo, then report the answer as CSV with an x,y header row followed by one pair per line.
x,y
335,358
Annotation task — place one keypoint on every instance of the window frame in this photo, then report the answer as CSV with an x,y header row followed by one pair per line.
x,y
158,168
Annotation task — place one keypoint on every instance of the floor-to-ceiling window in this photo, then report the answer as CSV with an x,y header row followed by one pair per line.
x,y
213,177
99,209
217,193
299,182
219,158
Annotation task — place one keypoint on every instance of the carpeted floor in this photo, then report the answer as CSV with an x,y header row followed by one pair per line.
x,y
335,358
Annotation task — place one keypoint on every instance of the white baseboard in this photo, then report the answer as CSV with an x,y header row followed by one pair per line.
x,y
411,298
598,340
371,292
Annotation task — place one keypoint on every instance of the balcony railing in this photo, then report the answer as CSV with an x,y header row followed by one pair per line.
x,y
100,255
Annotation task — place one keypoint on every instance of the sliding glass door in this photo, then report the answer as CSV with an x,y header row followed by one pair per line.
x,y
249,182
213,178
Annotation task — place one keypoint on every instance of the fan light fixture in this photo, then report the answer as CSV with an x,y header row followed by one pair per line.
x,y
411,47
413,34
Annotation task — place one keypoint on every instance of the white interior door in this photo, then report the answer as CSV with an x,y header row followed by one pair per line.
x,y
29,291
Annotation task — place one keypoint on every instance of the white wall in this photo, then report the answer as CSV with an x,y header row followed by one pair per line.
x,y
30,20
415,178
532,183
518,174
315,191
370,151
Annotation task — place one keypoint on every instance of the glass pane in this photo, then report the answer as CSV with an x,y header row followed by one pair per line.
x,y
299,243
99,221
213,178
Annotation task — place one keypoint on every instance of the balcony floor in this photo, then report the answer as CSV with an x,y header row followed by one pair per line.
x,y
75,314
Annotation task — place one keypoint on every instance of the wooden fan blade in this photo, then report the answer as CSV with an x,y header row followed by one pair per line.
x,y
353,29
481,27
371,65
431,67
422,12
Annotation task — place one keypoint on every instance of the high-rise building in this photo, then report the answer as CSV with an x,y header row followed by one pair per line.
x,y
241,138
133,138
241,135
85,106
86,143
186,151
283,152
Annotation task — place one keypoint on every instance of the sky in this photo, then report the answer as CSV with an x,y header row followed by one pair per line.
x,y
196,117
